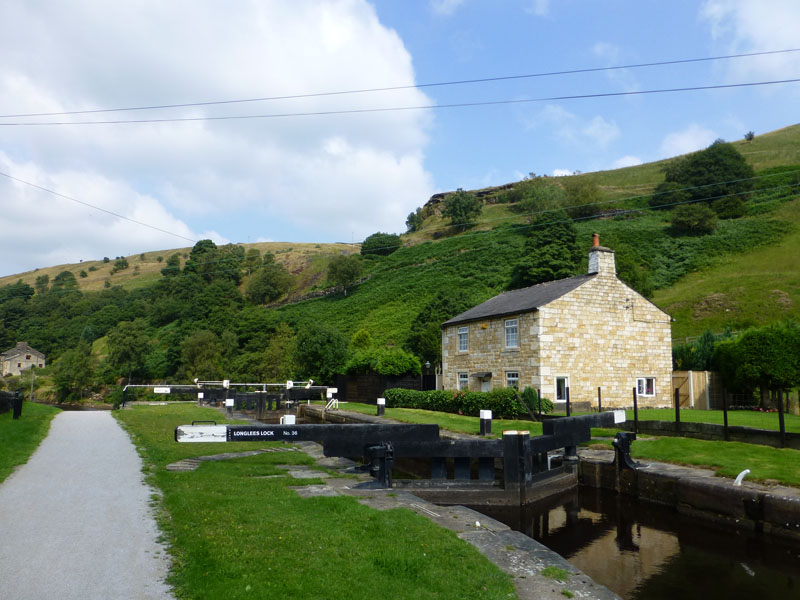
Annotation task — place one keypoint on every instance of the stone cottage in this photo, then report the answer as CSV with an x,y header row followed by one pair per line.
x,y
578,334
19,358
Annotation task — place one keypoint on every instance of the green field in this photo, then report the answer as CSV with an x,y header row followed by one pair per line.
x,y
19,439
237,531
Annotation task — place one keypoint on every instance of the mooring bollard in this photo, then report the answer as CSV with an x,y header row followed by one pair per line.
x,y
381,406
486,422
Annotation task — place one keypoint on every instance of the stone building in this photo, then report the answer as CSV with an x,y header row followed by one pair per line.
x,y
578,334
19,358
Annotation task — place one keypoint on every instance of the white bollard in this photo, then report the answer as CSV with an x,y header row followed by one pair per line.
x,y
288,420
381,406
486,422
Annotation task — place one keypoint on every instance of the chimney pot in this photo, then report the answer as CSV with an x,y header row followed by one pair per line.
x,y
595,240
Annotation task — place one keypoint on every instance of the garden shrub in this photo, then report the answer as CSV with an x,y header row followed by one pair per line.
x,y
502,402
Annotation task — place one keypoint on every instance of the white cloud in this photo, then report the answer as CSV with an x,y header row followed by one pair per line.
x,y
626,161
573,130
445,7
693,138
313,178
561,172
540,8
743,26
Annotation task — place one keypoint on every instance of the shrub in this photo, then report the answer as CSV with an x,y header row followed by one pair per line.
x,y
502,402
696,219
381,243
531,398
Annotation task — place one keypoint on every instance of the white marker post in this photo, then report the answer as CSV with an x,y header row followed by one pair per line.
x,y
486,422
381,406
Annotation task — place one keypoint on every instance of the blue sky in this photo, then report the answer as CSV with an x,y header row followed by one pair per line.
x,y
328,178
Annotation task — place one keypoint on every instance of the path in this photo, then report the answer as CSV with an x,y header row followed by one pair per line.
x,y
75,521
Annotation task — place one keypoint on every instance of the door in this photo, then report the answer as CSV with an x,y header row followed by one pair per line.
x,y
486,385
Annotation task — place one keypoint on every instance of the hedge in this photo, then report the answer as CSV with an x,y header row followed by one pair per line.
x,y
502,402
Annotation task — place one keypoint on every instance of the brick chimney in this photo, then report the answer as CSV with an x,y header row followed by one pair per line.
x,y
601,259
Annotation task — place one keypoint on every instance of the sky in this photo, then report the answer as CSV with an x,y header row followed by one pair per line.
x,y
316,165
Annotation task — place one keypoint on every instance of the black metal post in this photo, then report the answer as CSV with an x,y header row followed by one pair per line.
x,y
781,419
599,400
17,406
678,411
635,412
725,414
568,410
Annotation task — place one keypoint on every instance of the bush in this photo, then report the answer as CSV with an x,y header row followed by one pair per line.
x,y
502,402
381,243
531,398
383,361
697,219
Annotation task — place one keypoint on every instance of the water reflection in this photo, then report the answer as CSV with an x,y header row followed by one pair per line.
x,y
643,551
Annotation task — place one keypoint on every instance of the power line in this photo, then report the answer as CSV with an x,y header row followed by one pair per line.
x,y
49,191
405,108
404,87
553,222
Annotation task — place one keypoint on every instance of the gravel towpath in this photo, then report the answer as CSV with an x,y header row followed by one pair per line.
x,y
75,521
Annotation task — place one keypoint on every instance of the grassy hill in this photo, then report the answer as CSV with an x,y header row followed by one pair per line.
x,y
743,274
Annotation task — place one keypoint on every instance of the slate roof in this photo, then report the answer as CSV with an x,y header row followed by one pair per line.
x,y
521,301
19,349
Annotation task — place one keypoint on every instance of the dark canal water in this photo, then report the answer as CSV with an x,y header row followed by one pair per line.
x,y
643,551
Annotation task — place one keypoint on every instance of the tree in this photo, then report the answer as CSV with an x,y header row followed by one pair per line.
x,y
320,354
694,219
551,251
462,208
749,136
201,355
584,197
540,196
344,270
425,337
361,340
173,266
252,258
42,284
269,283
74,372
64,281
381,243
717,172
278,360
127,347
414,220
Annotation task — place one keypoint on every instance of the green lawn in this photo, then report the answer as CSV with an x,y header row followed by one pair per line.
x,y
741,418
237,532
19,439
726,458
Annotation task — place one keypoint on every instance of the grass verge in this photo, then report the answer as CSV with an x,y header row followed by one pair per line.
x,y
238,531
741,418
19,439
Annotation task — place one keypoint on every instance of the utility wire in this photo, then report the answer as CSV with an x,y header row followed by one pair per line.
x,y
542,225
403,87
404,108
49,191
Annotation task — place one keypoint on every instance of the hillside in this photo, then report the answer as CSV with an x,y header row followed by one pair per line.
x,y
742,274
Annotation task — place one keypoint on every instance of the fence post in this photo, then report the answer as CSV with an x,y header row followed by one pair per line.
x,y
678,411
635,412
599,400
781,421
725,414
539,396
17,405
568,410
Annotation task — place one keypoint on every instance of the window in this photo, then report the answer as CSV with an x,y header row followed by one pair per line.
x,y
512,379
562,385
463,381
646,386
463,339
27,357
511,333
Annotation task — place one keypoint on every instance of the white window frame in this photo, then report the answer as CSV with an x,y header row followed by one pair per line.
x,y
512,325
566,386
463,339
514,379
641,384
463,382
